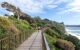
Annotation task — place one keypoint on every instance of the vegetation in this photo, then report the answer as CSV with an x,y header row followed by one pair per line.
x,y
59,40
74,40
17,12
7,27
12,25
13,32
18,30
54,32
65,45
51,41
57,36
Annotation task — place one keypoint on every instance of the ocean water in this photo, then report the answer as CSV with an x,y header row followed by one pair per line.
x,y
74,30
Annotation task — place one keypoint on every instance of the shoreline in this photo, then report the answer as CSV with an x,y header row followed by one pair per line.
x,y
73,34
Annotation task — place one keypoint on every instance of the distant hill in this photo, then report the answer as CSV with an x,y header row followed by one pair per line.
x,y
72,25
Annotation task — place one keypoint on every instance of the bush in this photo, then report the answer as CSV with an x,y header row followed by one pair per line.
x,y
13,26
65,45
7,27
51,41
51,32
20,23
74,40
2,32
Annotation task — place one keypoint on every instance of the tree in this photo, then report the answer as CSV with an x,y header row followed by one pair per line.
x,y
17,12
11,8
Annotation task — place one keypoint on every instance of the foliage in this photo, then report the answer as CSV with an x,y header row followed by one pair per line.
x,y
51,32
13,32
38,21
65,45
22,25
17,12
13,26
2,32
7,27
27,18
74,40
11,8
59,27
51,41
56,31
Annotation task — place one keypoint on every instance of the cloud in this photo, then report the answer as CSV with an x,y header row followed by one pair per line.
x,y
35,6
51,6
73,6
39,6
61,1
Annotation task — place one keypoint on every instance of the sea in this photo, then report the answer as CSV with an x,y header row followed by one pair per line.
x,y
74,30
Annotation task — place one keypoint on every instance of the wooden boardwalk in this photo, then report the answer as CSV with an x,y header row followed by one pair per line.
x,y
32,43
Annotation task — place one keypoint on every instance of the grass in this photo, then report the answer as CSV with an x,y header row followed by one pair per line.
x,y
13,26
50,41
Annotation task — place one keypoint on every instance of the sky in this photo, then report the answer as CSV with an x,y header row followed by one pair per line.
x,y
67,11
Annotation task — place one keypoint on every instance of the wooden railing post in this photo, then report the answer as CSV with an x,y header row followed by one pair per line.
x,y
1,45
12,41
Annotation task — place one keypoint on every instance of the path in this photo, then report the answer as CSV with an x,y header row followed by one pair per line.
x,y
32,43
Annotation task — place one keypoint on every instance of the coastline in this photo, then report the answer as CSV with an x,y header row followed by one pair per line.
x,y
73,34
70,33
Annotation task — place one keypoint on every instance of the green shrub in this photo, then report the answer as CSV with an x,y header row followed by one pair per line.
x,y
74,40
65,45
51,32
51,41
7,27
2,32
13,26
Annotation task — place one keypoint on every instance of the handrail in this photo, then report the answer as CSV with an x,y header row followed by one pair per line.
x,y
13,40
45,44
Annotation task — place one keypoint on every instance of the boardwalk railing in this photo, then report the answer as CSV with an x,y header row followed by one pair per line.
x,y
44,42
13,41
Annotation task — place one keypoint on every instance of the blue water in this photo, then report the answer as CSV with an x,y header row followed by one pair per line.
x,y
75,30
